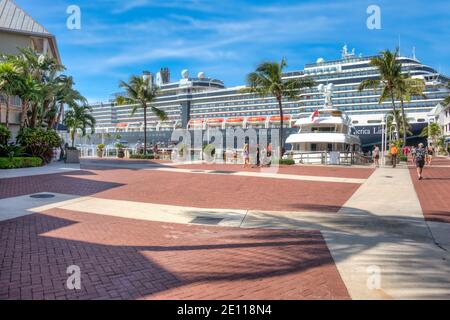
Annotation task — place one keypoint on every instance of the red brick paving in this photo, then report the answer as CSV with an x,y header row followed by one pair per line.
x,y
188,189
130,259
60,183
222,191
321,171
434,190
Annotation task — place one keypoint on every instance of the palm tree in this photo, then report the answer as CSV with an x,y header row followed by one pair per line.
x,y
43,70
267,79
406,88
390,71
432,131
79,118
9,82
28,91
141,94
405,130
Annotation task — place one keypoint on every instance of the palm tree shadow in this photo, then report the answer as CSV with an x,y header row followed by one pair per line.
x,y
110,271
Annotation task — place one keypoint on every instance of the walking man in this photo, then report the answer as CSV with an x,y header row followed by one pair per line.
x,y
421,154
376,156
394,154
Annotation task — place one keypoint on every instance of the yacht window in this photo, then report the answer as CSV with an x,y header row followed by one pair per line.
x,y
420,120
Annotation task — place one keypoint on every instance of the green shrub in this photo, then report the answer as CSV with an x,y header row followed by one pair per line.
x,y
39,142
11,151
5,135
287,162
100,146
142,156
14,163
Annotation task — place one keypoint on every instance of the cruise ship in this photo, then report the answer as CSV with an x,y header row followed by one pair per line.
x,y
203,102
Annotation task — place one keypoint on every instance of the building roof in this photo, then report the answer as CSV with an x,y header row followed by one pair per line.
x,y
15,19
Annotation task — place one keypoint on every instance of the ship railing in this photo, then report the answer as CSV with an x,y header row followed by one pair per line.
x,y
329,157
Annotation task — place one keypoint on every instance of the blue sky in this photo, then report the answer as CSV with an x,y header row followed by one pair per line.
x,y
227,38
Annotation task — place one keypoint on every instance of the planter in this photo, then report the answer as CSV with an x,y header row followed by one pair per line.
x,y
100,153
121,154
72,156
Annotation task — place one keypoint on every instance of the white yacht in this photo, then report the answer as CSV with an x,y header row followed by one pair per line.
x,y
327,136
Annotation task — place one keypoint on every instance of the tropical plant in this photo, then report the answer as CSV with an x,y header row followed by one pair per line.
x,y
267,79
5,135
39,142
43,92
9,82
405,129
79,118
390,71
141,94
407,87
11,151
432,131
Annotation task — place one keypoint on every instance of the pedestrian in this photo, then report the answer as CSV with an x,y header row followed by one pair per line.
x,y
258,156
376,156
413,154
155,151
246,155
394,154
420,157
430,154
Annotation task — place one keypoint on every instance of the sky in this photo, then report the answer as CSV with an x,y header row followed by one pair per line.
x,y
227,39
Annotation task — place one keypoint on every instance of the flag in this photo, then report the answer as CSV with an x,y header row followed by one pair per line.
x,y
314,115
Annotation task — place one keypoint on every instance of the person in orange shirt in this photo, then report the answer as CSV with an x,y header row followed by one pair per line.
x,y
394,154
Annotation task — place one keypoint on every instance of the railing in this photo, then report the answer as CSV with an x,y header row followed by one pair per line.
x,y
330,158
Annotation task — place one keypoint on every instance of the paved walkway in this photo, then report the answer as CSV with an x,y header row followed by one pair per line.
x,y
134,259
54,167
377,230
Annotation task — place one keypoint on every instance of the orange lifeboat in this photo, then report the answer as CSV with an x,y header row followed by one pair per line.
x,y
256,119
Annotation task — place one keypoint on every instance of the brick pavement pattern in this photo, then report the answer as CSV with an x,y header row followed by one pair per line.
x,y
188,189
131,259
434,190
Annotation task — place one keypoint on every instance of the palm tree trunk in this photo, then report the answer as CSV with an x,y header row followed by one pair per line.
x,y
403,122
34,114
281,141
60,113
8,102
394,108
145,130
23,116
72,136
